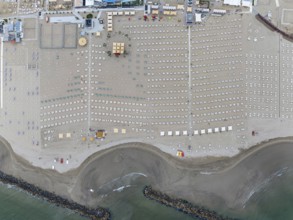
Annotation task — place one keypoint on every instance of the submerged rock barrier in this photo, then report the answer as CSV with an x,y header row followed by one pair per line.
x,y
182,205
94,214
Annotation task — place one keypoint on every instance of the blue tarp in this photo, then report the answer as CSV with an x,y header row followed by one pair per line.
x,y
109,1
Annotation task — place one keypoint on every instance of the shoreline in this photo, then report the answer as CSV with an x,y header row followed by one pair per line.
x,y
94,214
165,172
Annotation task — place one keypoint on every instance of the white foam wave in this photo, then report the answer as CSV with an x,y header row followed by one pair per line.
x,y
206,173
263,184
133,174
120,189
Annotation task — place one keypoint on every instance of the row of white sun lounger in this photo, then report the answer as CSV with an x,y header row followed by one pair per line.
x,y
110,15
197,132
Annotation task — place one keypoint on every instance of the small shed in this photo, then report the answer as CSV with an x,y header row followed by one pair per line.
x,y
180,153
100,134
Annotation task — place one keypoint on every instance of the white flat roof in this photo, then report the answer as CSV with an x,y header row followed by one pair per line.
x,y
197,17
89,2
246,3
232,2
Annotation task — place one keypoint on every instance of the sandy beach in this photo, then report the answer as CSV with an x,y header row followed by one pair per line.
x,y
207,181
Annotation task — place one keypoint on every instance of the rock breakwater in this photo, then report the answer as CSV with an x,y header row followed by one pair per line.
x,y
94,214
182,205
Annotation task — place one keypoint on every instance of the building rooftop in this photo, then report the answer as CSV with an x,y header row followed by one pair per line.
x,y
189,18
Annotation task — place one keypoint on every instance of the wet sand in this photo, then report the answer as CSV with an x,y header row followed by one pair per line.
x,y
212,182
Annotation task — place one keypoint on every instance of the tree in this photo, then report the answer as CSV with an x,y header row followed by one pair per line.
x,y
89,16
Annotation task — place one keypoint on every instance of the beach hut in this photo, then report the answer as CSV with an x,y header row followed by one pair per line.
x,y
180,153
162,133
100,134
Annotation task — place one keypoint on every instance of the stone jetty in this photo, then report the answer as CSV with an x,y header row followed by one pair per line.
x,y
183,205
94,214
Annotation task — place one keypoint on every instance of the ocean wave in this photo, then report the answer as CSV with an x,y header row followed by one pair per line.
x,y
265,183
120,189
206,173
119,183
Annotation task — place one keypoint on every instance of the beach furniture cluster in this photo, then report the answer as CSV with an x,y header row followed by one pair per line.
x,y
198,132
110,15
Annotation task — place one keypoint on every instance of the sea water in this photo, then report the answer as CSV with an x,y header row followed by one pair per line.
x,y
130,204
18,205
272,202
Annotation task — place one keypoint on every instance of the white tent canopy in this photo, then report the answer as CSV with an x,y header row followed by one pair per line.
x,y
197,17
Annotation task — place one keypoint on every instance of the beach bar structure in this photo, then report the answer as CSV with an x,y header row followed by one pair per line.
x,y
110,21
198,18
180,7
203,131
155,9
100,134
219,12
82,41
118,48
169,10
